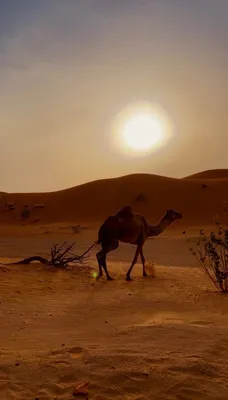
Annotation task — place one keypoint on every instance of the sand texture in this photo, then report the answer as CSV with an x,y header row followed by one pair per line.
x,y
163,337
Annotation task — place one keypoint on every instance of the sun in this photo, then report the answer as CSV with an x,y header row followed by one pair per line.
x,y
142,131
141,128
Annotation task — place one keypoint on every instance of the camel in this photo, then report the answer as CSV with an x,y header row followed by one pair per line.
x,y
128,227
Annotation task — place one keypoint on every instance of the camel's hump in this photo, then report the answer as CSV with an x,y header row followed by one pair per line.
x,y
124,212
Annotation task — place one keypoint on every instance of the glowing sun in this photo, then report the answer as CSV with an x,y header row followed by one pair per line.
x,y
142,131
141,128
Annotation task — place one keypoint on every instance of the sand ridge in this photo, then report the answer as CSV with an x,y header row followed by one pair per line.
x,y
149,195
210,174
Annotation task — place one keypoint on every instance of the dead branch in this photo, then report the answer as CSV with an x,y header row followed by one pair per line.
x,y
28,260
60,256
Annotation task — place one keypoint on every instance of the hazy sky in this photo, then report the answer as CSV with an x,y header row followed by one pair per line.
x,y
68,67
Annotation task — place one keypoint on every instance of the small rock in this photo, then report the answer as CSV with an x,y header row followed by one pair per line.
x,y
17,364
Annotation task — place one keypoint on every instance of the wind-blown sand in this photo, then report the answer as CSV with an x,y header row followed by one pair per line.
x,y
152,338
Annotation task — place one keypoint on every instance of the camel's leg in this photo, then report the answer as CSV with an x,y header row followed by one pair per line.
x,y
143,261
128,275
101,258
100,267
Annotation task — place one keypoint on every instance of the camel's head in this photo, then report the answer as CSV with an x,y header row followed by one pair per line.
x,y
172,215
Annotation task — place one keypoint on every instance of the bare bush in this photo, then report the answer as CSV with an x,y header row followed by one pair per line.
x,y
141,197
10,206
76,228
211,252
25,213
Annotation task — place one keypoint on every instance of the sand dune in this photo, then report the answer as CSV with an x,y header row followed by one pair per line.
x,y
148,194
210,174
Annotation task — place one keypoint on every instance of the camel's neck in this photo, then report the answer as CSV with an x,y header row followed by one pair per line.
x,y
155,230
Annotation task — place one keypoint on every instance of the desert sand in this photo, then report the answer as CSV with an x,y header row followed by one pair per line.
x,y
162,337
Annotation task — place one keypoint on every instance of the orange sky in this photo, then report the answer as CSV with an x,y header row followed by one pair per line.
x,y
67,70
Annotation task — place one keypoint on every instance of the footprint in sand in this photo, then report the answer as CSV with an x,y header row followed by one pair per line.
x,y
74,352
138,376
201,323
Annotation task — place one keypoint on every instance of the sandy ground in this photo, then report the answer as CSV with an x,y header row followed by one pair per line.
x,y
152,338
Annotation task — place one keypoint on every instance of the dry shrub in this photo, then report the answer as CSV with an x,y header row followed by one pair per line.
x,y
140,197
211,252
25,213
76,228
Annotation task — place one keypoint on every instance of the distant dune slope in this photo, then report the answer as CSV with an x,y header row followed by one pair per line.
x,y
148,194
210,174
